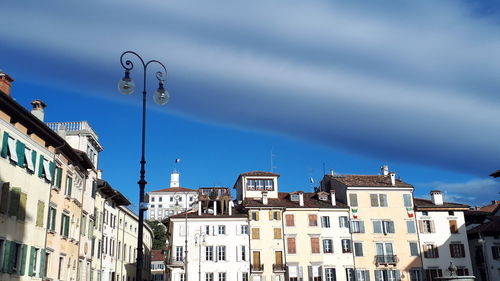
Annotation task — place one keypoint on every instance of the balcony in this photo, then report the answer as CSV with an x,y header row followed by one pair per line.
x,y
279,267
256,268
174,262
386,260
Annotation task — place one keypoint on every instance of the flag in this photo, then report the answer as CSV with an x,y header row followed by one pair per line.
x,y
177,160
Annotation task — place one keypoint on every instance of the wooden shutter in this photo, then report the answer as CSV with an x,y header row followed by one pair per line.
x,y
277,233
374,200
421,226
31,271
433,230
256,259
33,159
315,245
426,254
271,215
279,215
462,250
5,198
361,227
291,245
255,233
21,214
40,167
452,253
59,177
15,193
256,215
6,253
11,257
20,153
279,257
5,144
41,271
453,226
428,275
310,273
313,220
440,273
436,251
289,220
24,250
39,213
52,168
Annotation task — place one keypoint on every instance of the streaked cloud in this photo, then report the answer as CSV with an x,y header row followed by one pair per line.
x,y
476,191
404,81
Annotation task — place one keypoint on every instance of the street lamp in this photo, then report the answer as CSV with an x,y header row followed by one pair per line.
x,y
186,205
126,86
199,239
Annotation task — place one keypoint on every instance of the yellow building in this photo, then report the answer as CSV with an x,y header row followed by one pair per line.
x,y
382,224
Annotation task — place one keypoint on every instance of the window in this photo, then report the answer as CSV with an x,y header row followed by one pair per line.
x,y
221,253
2,247
387,275
325,221
207,229
277,233
462,271
243,253
357,226
51,224
290,241
160,206
83,227
413,249
453,226
160,199
410,227
69,186
495,251
222,230
276,215
255,233
433,273
209,276
244,276
17,258
182,277
222,276
260,184
58,177
346,245
294,197
315,245
343,222
179,253
407,200
64,225
171,198
385,253
353,200
358,249
425,213
426,226
152,198
451,213
290,220
60,268
244,229
313,220
457,250
378,200
255,216
349,273
330,274
327,246
383,226
415,275
431,251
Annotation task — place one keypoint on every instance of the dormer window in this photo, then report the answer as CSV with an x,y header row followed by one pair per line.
x,y
260,184
323,196
294,197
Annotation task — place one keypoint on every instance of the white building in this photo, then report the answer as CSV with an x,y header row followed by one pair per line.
x,y
484,243
165,202
443,236
158,271
217,246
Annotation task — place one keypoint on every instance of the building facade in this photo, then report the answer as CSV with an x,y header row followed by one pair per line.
x,y
158,268
443,236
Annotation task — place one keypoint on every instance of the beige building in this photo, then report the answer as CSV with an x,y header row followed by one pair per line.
x,y
258,193
382,223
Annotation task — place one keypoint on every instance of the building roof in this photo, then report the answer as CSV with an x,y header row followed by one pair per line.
x,y
367,180
491,208
85,159
495,174
194,214
490,227
427,204
310,201
104,187
259,173
174,189
158,255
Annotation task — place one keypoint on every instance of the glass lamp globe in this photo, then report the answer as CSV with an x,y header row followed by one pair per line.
x,y
126,85
161,96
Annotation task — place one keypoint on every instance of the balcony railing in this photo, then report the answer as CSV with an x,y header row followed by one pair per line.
x,y
277,267
386,259
72,127
175,262
257,267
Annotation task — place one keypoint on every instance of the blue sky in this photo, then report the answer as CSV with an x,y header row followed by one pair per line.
x,y
353,85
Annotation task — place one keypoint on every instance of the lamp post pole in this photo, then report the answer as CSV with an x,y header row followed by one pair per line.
x,y
127,86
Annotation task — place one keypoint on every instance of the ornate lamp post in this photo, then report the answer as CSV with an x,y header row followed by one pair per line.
x,y
126,86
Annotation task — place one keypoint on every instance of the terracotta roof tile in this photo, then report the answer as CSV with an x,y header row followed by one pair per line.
x,y
194,214
368,180
260,173
425,203
490,227
157,255
310,201
175,189
492,208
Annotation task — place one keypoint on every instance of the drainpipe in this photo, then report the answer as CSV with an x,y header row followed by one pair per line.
x,y
283,237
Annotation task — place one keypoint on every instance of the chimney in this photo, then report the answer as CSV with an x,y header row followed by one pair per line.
x,y
332,195
37,109
99,174
5,83
231,205
437,197
199,208
174,179
264,198
332,173
301,198
393,178
384,170
215,208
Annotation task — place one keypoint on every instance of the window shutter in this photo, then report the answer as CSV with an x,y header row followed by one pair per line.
x,y
361,226
421,226
277,233
27,157
398,275
6,253
310,273
250,216
378,275
39,213
279,215
257,215
24,250
51,171
451,251
40,167
31,271
440,273
12,255
5,144
20,153
271,215
41,271
15,193
12,149
425,250
428,275
33,159
367,275
462,250
374,200
21,215
432,227
436,251
5,198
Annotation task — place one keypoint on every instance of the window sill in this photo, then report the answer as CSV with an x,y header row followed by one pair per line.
x,y
56,189
51,231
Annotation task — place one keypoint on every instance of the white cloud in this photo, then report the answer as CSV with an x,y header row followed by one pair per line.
x,y
417,81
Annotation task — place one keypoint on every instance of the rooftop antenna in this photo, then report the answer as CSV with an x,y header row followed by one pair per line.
x,y
272,160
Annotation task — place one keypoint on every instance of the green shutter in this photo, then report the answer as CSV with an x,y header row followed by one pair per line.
x,y
15,193
6,253
58,177
66,226
33,159
20,153
5,144
41,268
12,256
5,198
24,251
52,170
40,167
31,272
39,213
21,214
